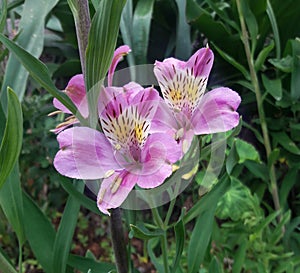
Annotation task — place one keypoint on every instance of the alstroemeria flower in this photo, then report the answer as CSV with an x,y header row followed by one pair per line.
x,y
75,90
188,111
126,153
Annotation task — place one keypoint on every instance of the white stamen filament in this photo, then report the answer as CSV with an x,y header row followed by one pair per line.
x,y
116,184
109,173
101,196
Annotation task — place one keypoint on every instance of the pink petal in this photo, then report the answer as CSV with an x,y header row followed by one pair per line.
x,y
118,55
158,154
109,200
201,62
155,179
84,154
147,101
77,93
163,119
165,70
216,112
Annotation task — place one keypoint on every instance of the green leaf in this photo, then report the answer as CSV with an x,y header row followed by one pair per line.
x,y
273,157
200,238
232,159
262,56
31,38
5,264
295,80
238,204
141,232
288,182
208,199
214,266
285,64
233,62
152,243
284,140
180,238
64,236
12,139
126,29
183,37
40,73
273,22
141,28
85,264
273,87
81,198
11,203
3,13
101,45
251,24
2,122
246,151
39,233
239,257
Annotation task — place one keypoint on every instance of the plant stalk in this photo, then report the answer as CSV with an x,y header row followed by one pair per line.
x,y
118,241
164,243
81,14
261,112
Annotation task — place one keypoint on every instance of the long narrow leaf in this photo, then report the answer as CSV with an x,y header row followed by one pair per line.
x,y
39,72
5,264
39,233
11,203
85,264
3,13
205,202
183,36
180,238
31,38
64,236
102,42
126,29
141,28
81,198
12,139
200,238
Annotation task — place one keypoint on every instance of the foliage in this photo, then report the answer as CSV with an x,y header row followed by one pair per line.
x,y
247,222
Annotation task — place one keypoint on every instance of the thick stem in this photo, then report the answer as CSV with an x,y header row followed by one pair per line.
x,y
118,242
81,13
261,112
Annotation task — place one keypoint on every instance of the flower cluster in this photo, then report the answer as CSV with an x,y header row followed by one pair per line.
x,y
143,134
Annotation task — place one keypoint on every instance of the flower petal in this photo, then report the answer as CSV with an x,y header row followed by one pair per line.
x,y
216,112
183,83
84,154
156,179
111,195
77,93
118,55
158,154
201,62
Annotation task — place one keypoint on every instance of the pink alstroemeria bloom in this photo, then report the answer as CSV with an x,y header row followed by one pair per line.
x,y
188,111
126,153
75,90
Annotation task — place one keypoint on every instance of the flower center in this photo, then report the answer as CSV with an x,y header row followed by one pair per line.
x,y
184,92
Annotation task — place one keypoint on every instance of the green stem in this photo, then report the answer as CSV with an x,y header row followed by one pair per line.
x,y
261,113
164,249
118,241
164,243
20,258
172,203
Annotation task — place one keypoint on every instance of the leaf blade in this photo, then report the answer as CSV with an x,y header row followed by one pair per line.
x,y
13,134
